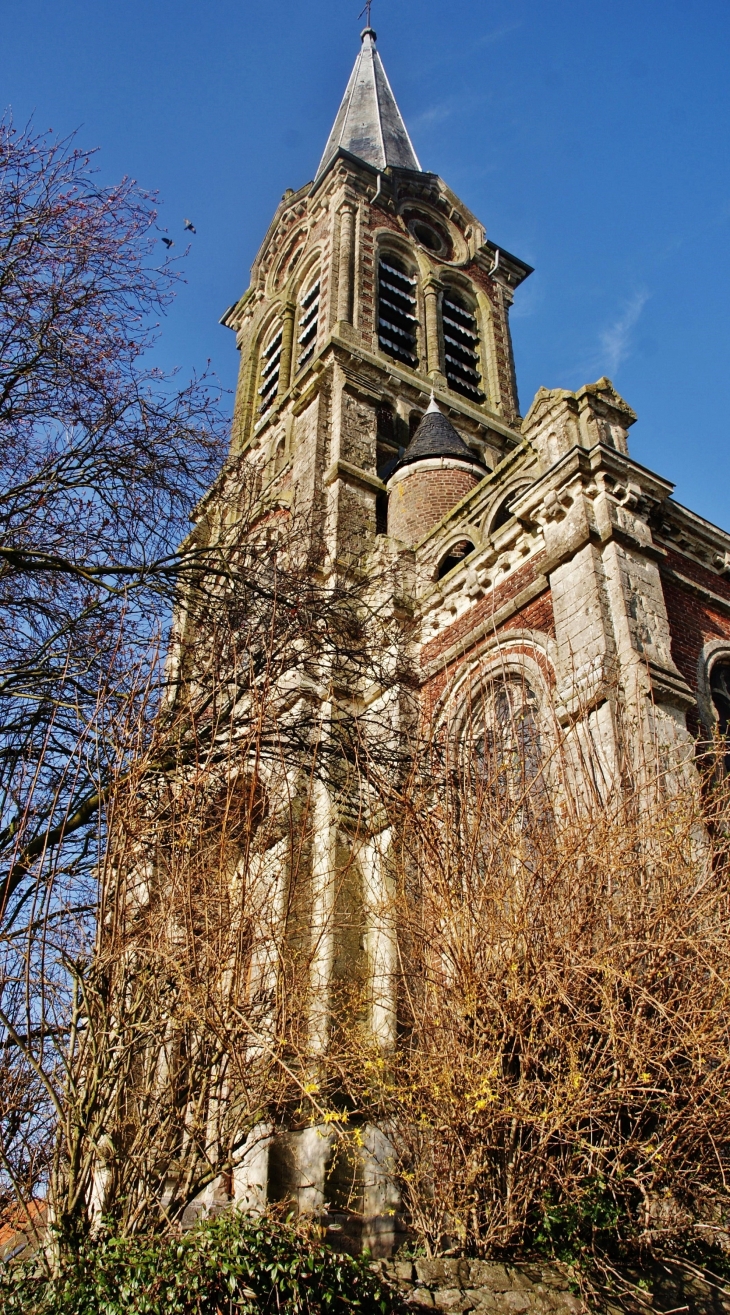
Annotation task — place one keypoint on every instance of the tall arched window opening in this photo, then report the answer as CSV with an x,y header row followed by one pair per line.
x,y
387,446
270,367
397,317
505,746
308,324
720,693
461,347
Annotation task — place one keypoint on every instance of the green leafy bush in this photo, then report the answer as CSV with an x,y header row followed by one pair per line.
x,y
231,1265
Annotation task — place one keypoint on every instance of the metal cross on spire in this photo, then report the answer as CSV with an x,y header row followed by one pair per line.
x,y
366,12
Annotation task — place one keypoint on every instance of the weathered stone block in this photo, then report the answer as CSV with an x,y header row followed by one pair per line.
x,y
514,1302
420,1297
481,1298
401,1270
452,1299
519,1280
484,1274
430,1271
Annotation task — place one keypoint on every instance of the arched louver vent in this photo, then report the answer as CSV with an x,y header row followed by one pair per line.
x,y
270,364
308,321
397,322
461,348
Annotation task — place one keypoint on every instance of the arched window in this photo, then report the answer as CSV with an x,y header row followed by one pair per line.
x,y
455,557
720,694
505,747
504,511
461,347
308,324
414,420
397,311
270,366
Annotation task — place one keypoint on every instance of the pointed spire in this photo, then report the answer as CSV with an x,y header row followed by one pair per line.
x,y
369,123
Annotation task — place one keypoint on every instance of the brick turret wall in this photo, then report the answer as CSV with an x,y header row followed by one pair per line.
x,y
422,496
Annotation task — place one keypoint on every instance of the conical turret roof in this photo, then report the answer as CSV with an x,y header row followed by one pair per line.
x,y
369,123
436,437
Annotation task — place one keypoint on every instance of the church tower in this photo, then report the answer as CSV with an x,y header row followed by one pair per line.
x,y
375,289
377,400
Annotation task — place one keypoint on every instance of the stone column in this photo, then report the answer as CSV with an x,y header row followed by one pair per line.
x,y
287,342
432,290
344,272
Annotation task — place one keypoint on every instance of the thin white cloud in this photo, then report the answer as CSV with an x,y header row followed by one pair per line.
x,y
436,114
490,38
616,339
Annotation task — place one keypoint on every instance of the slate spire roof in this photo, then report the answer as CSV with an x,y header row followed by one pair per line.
x,y
369,123
436,437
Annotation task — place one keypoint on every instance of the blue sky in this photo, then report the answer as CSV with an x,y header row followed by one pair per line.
x,y
591,138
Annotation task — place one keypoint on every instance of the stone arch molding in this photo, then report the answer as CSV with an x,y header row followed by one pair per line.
x,y
459,534
716,650
527,655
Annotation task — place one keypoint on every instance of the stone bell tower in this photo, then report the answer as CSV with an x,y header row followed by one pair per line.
x,y
377,398
375,288
376,390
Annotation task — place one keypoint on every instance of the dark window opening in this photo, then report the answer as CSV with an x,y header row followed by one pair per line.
x,y
429,233
461,348
308,324
270,363
720,691
386,424
414,421
426,236
387,447
381,513
397,319
504,511
455,557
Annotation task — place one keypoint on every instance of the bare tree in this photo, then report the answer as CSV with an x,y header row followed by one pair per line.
x,y
102,458
108,753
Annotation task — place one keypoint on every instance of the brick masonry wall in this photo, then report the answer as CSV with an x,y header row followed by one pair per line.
x,y
419,500
536,616
693,621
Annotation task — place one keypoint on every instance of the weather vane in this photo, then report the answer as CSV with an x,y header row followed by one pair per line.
x,y
366,12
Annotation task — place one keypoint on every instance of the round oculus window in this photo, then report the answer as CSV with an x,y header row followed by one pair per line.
x,y
428,235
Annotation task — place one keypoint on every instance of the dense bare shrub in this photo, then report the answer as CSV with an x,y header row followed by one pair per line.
x,y
563,1074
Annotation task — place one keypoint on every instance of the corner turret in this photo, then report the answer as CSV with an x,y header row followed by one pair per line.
x,y
435,472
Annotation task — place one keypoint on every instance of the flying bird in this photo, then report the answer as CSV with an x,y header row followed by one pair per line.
x,y
168,242
190,228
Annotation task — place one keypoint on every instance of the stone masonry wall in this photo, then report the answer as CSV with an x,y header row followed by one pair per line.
x,y
478,1285
536,616
548,1288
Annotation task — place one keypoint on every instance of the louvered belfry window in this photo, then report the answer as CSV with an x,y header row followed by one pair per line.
x,y
270,365
461,347
397,320
308,321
